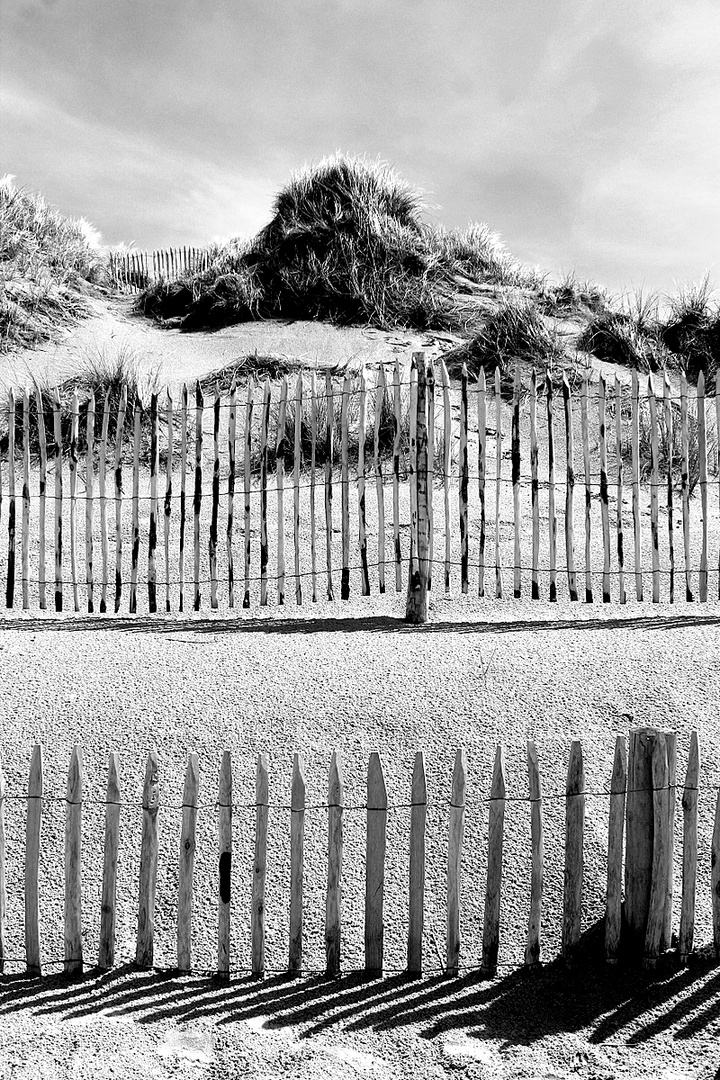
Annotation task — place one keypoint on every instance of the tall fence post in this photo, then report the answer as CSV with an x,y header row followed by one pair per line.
x,y
416,604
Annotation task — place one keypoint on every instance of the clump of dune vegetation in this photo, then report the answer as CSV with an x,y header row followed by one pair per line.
x,y
692,331
47,262
630,335
348,244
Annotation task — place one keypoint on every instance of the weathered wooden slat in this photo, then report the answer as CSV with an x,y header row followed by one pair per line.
x,y
25,541
345,489
3,886
183,494
108,908
375,866
498,481
297,461
496,823
232,421
574,832
619,496
73,955
482,474
297,845
313,482
117,472
362,516
224,864
616,828
690,840
552,514
397,421
135,554
247,447
456,829
336,802
715,878
667,413
464,483
74,432
685,481
148,864
264,426
89,497
604,508
703,485
168,494
329,454
186,865
153,530
280,483
197,494
654,486
416,603
447,457
32,862
537,856
58,502
430,425
635,465
215,502
42,496
412,469
515,456
661,854
569,490
380,387
671,748
534,489
416,916
585,431
257,918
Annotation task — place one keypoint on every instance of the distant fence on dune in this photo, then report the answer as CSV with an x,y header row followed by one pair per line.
x,y
398,453
134,271
641,802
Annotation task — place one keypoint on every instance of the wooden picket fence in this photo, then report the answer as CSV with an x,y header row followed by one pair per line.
x,y
418,445
642,804
133,271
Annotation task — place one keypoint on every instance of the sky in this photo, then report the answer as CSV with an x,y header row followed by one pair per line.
x,y
585,132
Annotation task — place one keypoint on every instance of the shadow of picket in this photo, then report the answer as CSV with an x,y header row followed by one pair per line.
x,y
519,1007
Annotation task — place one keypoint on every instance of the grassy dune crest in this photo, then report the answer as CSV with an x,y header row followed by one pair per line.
x,y
46,263
348,244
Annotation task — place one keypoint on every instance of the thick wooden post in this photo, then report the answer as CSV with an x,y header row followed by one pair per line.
x,y
32,862
455,840
574,834
418,814
106,951
297,844
416,606
73,865
690,838
148,864
375,866
187,864
616,826
537,843
260,866
336,799
496,822
224,864
661,854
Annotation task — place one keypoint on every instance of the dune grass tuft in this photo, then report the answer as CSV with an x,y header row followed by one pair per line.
x,y
46,263
692,331
347,244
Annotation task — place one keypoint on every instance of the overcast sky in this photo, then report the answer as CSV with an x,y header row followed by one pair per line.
x,y
586,132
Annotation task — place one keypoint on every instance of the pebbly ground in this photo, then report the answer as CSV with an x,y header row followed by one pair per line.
x,y
353,677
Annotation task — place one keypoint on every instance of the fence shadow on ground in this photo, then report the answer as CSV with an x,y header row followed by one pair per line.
x,y
389,624
519,1008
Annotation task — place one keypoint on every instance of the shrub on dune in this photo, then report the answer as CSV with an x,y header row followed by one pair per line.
x,y
692,331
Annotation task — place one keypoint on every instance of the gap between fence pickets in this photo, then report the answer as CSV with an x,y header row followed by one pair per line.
x,y
641,793
421,472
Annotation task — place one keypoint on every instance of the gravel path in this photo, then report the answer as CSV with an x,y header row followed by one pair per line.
x,y
357,679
